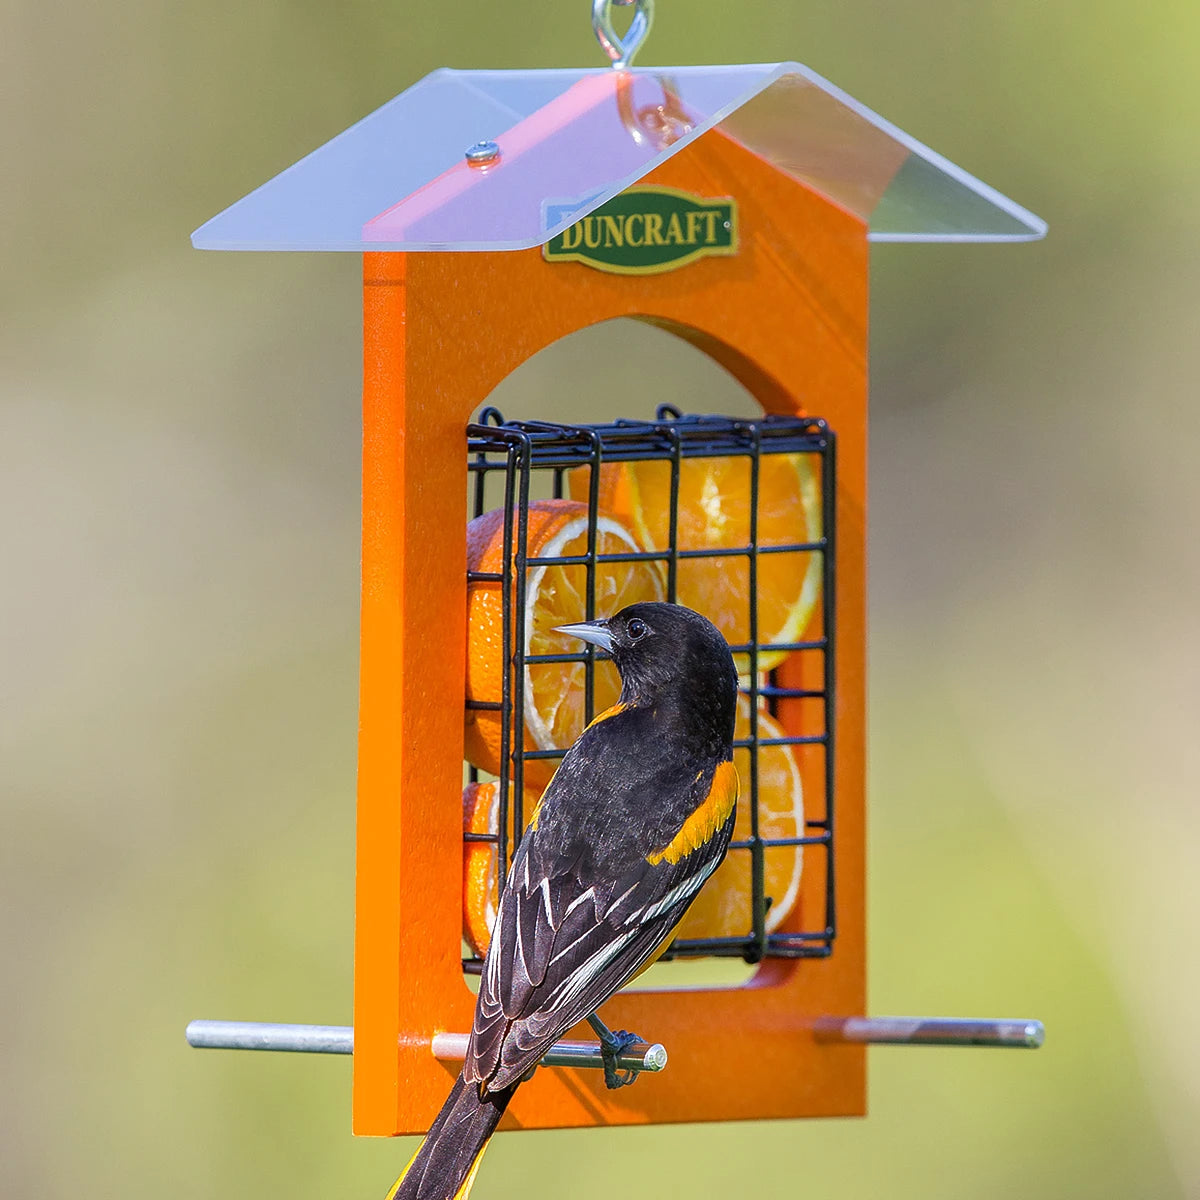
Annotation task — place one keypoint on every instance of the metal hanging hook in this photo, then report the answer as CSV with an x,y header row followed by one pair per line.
x,y
622,50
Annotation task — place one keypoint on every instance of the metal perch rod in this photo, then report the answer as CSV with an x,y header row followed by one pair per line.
x,y
339,1039
641,1056
931,1031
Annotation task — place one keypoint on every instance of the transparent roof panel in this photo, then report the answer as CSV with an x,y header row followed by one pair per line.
x,y
569,140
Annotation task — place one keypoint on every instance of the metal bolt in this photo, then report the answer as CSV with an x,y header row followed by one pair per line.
x,y
656,1057
483,154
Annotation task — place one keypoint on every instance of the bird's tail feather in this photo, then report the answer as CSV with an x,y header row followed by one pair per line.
x,y
444,1167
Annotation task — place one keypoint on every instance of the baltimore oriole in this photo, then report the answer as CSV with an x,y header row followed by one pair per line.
x,y
638,815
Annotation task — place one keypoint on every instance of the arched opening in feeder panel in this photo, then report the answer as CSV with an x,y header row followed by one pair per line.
x,y
620,368
710,471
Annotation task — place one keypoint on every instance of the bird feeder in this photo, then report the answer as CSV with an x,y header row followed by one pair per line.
x,y
498,212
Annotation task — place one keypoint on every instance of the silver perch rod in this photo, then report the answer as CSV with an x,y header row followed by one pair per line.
x,y
450,1047
931,1031
641,1056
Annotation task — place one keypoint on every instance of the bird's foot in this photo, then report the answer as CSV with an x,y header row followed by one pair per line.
x,y
613,1043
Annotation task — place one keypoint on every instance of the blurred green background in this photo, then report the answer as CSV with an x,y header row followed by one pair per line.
x,y
178,547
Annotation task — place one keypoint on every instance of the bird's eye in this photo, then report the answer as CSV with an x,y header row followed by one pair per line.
x,y
637,629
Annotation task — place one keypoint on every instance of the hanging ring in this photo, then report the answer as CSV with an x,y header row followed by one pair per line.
x,y
622,50
656,125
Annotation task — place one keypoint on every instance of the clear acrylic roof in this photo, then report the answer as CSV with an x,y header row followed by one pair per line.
x,y
569,140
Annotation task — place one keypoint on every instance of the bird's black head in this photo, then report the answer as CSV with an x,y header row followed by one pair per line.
x,y
668,654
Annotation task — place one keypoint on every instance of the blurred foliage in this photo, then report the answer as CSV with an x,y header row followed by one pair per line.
x,y
178,521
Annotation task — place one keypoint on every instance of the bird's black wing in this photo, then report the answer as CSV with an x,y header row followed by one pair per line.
x,y
571,930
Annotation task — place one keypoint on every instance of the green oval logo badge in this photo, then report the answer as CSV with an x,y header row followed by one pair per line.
x,y
646,230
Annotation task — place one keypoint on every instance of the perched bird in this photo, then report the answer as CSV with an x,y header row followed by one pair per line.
x,y
638,815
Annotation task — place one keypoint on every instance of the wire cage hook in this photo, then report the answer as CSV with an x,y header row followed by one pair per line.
x,y
622,49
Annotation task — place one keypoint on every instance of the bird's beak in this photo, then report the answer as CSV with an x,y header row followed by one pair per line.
x,y
596,632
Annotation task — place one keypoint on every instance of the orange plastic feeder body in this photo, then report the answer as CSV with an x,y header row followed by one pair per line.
x,y
787,315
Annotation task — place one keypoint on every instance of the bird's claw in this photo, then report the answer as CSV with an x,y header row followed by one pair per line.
x,y
611,1049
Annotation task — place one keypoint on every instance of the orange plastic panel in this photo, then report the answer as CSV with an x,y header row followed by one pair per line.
x,y
788,317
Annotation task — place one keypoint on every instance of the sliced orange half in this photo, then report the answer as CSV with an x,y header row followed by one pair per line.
x,y
555,595
714,514
723,908
481,889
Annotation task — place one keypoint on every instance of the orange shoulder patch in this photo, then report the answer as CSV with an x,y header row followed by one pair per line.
x,y
608,712
709,815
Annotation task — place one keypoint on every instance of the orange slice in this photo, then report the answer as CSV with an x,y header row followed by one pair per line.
x,y
714,514
481,892
723,907
555,595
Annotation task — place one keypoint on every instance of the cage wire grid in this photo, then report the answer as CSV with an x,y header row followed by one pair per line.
x,y
519,450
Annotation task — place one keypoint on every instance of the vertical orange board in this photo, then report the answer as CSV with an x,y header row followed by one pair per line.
x,y
788,317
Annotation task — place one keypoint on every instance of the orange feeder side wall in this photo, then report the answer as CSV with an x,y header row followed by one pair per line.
x,y
788,317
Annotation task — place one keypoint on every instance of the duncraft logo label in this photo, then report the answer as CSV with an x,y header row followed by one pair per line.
x,y
645,230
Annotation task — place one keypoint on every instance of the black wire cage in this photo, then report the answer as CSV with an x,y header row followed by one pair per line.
x,y
511,464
